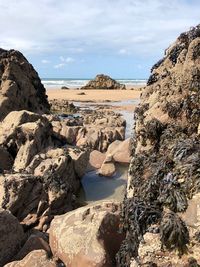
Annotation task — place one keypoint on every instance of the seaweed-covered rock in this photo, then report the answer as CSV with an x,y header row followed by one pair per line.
x,y
20,86
164,170
102,81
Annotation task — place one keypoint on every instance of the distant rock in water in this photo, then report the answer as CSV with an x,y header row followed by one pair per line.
x,y
164,171
20,85
102,81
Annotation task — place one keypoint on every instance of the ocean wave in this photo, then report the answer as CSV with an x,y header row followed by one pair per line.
x,y
76,83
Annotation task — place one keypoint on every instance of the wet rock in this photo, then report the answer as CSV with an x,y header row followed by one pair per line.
x,y
21,87
37,258
83,237
65,88
102,81
11,238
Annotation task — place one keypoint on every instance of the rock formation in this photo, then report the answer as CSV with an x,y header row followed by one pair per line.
x,y
102,81
20,86
46,177
88,236
62,106
164,171
95,130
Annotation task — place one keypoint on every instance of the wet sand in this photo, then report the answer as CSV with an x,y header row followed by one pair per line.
x,y
93,95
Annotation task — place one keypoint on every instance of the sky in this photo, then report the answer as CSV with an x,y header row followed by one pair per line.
x,y
80,38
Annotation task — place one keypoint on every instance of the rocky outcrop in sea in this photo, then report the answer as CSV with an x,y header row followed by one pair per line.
x,y
160,214
105,82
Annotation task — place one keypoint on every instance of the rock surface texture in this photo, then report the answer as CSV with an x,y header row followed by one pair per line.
x,y
46,178
164,172
36,258
102,81
20,87
88,236
11,236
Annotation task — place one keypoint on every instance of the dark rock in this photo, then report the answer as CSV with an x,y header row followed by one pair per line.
x,y
102,81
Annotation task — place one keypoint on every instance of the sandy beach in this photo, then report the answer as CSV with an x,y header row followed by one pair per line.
x,y
93,95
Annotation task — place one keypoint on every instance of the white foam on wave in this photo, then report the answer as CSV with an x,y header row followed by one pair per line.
x,y
77,83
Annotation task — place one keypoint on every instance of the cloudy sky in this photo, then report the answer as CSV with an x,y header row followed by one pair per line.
x,y
80,38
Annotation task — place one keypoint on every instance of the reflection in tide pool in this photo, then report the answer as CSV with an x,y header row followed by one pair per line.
x,y
97,187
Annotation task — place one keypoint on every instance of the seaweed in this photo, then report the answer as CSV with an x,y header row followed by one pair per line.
x,y
173,232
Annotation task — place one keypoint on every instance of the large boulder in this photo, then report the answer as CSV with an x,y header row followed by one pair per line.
x,y
11,236
21,87
102,81
120,150
96,160
164,169
88,236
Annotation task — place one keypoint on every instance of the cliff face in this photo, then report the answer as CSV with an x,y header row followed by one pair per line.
x,y
164,172
20,86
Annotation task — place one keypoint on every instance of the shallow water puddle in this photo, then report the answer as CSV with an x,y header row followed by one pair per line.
x,y
97,187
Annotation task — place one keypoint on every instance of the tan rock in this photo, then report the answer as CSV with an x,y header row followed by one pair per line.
x,y
36,258
108,167
87,236
11,237
25,134
192,214
96,160
120,150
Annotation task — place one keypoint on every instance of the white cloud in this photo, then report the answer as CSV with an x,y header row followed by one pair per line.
x,y
59,66
123,51
45,61
93,26
67,60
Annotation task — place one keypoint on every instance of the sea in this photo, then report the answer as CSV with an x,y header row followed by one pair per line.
x,y
77,83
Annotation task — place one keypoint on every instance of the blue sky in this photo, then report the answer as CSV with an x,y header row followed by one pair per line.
x,y
80,38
